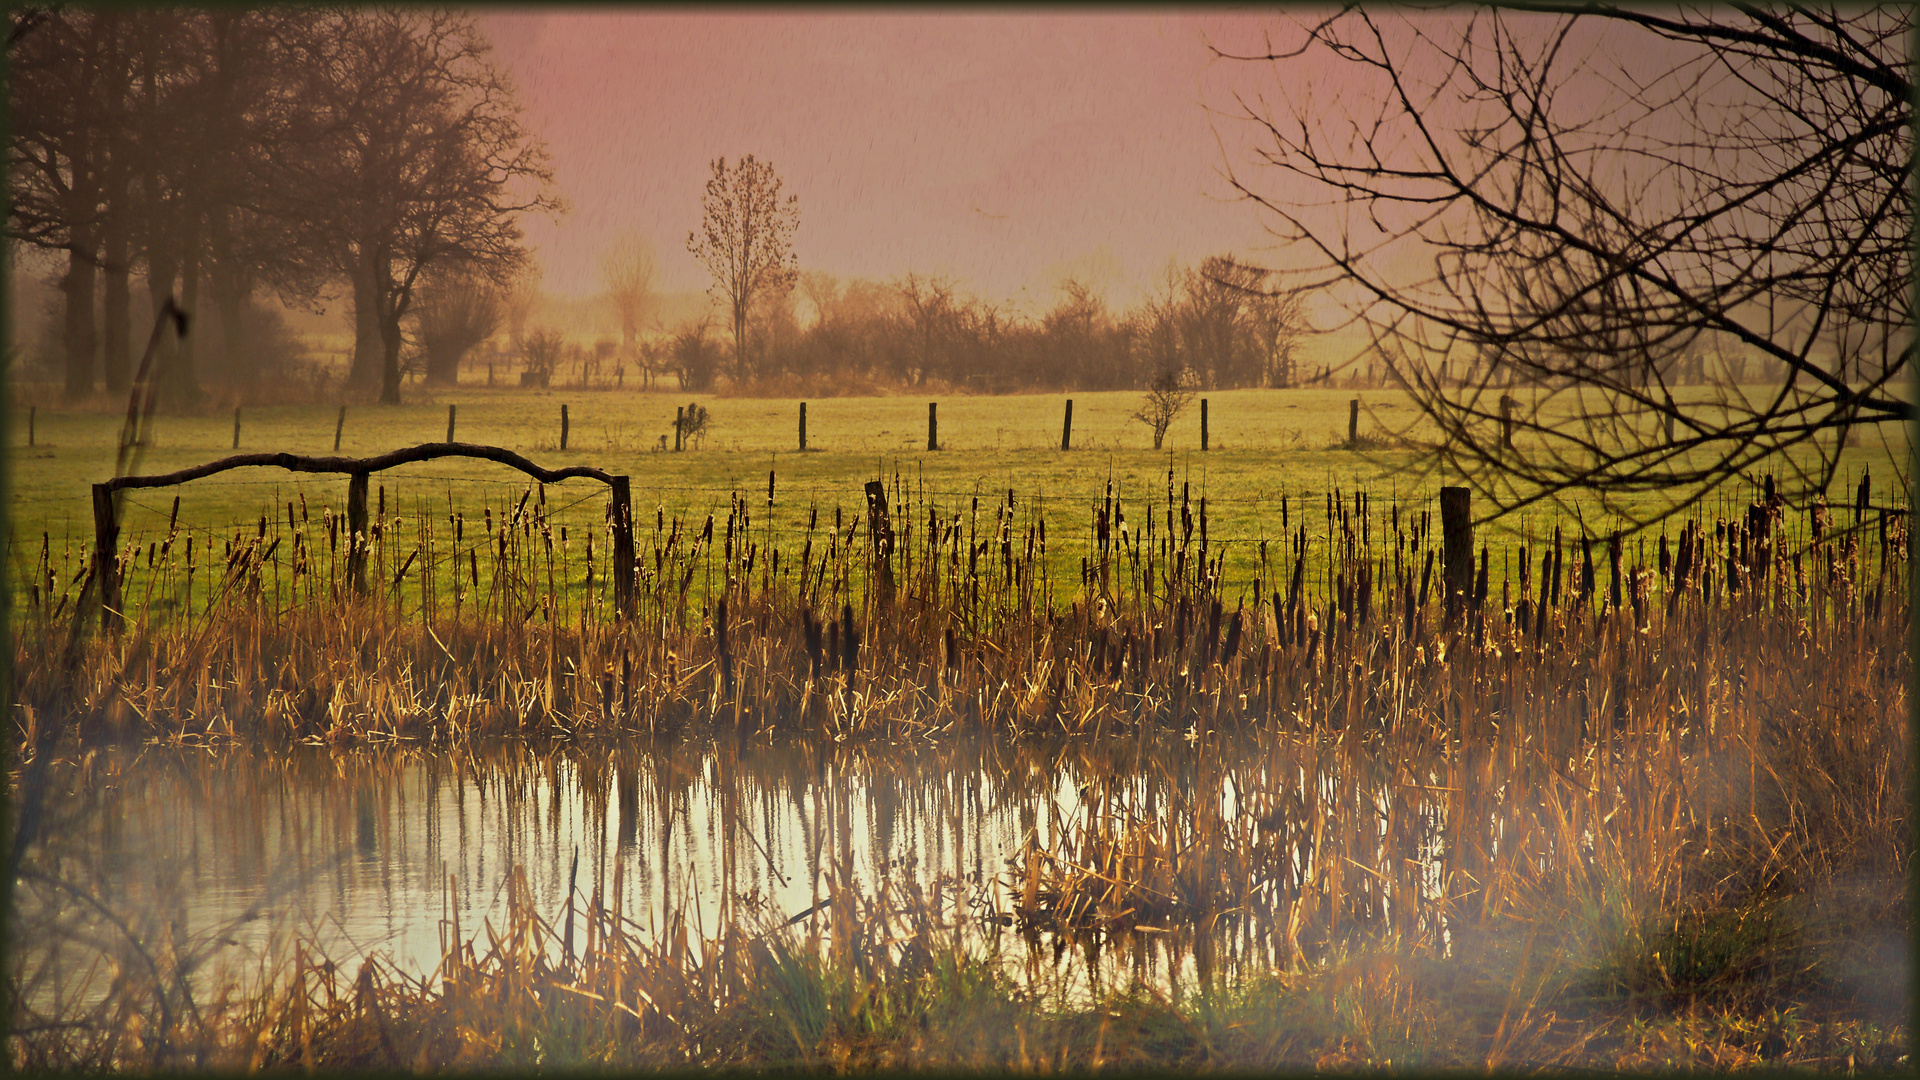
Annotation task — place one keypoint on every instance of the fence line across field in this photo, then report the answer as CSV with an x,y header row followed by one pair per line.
x,y
1455,514
719,495
680,434
808,499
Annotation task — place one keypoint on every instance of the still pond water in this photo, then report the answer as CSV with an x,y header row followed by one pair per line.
x,y
233,854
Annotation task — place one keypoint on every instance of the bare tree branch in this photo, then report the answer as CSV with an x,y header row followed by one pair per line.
x,y
1624,252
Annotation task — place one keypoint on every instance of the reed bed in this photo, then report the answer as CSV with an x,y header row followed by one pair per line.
x,y
888,624
1629,801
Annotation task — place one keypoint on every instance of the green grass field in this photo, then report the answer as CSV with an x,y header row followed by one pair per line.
x,y
1263,444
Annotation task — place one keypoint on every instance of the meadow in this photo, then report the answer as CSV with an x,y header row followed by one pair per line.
x,y
1260,443
1575,801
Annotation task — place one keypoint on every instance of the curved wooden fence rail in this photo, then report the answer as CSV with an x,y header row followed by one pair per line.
x,y
106,518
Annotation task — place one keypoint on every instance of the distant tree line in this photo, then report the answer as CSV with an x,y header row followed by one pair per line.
x,y
1219,325
225,156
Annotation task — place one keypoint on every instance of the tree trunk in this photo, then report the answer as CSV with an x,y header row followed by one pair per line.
x,y
178,374
443,367
368,350
78,331
79,336
230,301
226,281
390,359
162,269
117,311
117,301
740,340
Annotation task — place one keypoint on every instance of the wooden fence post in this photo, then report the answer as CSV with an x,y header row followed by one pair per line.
x,y
1066,428
880,528
933,425
357,538
236,427
1673,415
679,426
1506,422
803,426
1353,424
1203,423
563,427
1456,539
339,426
622,513
450,413
106,567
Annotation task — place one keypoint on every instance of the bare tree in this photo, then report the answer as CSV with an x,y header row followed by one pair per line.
x,y
1081,339
411,156
540,350
929,310
694,356
772,327
693,422
456,312
61,65
1569,207
1165,400
1216,328
822,291
1271,319
627,271
745,240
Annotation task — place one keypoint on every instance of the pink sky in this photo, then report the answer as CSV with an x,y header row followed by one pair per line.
x,y
1005,149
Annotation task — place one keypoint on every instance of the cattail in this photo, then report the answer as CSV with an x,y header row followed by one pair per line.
x,y
1613,564
1480,584
1182,614
848,640
721,644
1298,580
1365,592
1586,570
1558,560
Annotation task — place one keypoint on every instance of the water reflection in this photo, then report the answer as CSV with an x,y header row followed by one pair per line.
x,y
240,852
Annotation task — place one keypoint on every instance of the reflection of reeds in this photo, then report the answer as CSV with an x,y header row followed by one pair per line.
x,y
895,981
1587,937
107,968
